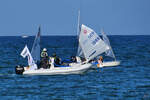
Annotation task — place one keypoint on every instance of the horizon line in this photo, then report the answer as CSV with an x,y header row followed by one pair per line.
x,y
77,35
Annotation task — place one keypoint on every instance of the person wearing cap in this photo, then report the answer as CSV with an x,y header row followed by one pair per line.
x,y
44,60
44,53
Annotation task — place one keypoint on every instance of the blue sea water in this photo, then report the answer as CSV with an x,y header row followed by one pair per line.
x,y
130,80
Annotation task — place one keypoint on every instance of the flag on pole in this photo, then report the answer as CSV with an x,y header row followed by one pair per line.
x,y
25,52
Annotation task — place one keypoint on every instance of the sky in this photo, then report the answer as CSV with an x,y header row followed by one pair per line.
x,y
60,17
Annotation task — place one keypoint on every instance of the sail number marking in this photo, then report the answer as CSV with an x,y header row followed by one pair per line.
x,y
95,40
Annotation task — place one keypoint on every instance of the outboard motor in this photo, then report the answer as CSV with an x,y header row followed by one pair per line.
x,y
19,69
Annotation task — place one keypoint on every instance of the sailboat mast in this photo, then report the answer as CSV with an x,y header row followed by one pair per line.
x,y
78,27
78,33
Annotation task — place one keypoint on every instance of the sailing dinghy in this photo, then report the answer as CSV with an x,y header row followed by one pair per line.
x,y
109,53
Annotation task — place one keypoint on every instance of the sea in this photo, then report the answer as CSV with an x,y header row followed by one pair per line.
x,y
128,81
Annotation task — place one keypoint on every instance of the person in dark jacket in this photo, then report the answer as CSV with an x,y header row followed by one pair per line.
x,y
44,53
57,60
44,59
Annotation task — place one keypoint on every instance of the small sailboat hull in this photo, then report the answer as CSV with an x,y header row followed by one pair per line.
x,y
74,69
106,64
111,63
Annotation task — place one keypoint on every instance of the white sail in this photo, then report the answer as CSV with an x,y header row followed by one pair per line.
x,y
35,52
25,52
109,52
80,52
91,44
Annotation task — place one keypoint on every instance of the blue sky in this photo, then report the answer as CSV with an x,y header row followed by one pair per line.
x,y
59,17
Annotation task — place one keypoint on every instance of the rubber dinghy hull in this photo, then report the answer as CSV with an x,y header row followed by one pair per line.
x,y
74,69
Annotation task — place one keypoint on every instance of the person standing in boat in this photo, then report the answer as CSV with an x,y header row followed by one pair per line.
x,y
100,62
44,58
44,53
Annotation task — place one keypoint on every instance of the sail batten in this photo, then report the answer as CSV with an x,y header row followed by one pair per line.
x,y
91,44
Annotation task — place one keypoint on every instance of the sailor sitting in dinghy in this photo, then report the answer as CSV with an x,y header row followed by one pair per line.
x,y
100,62
73,59
57,60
